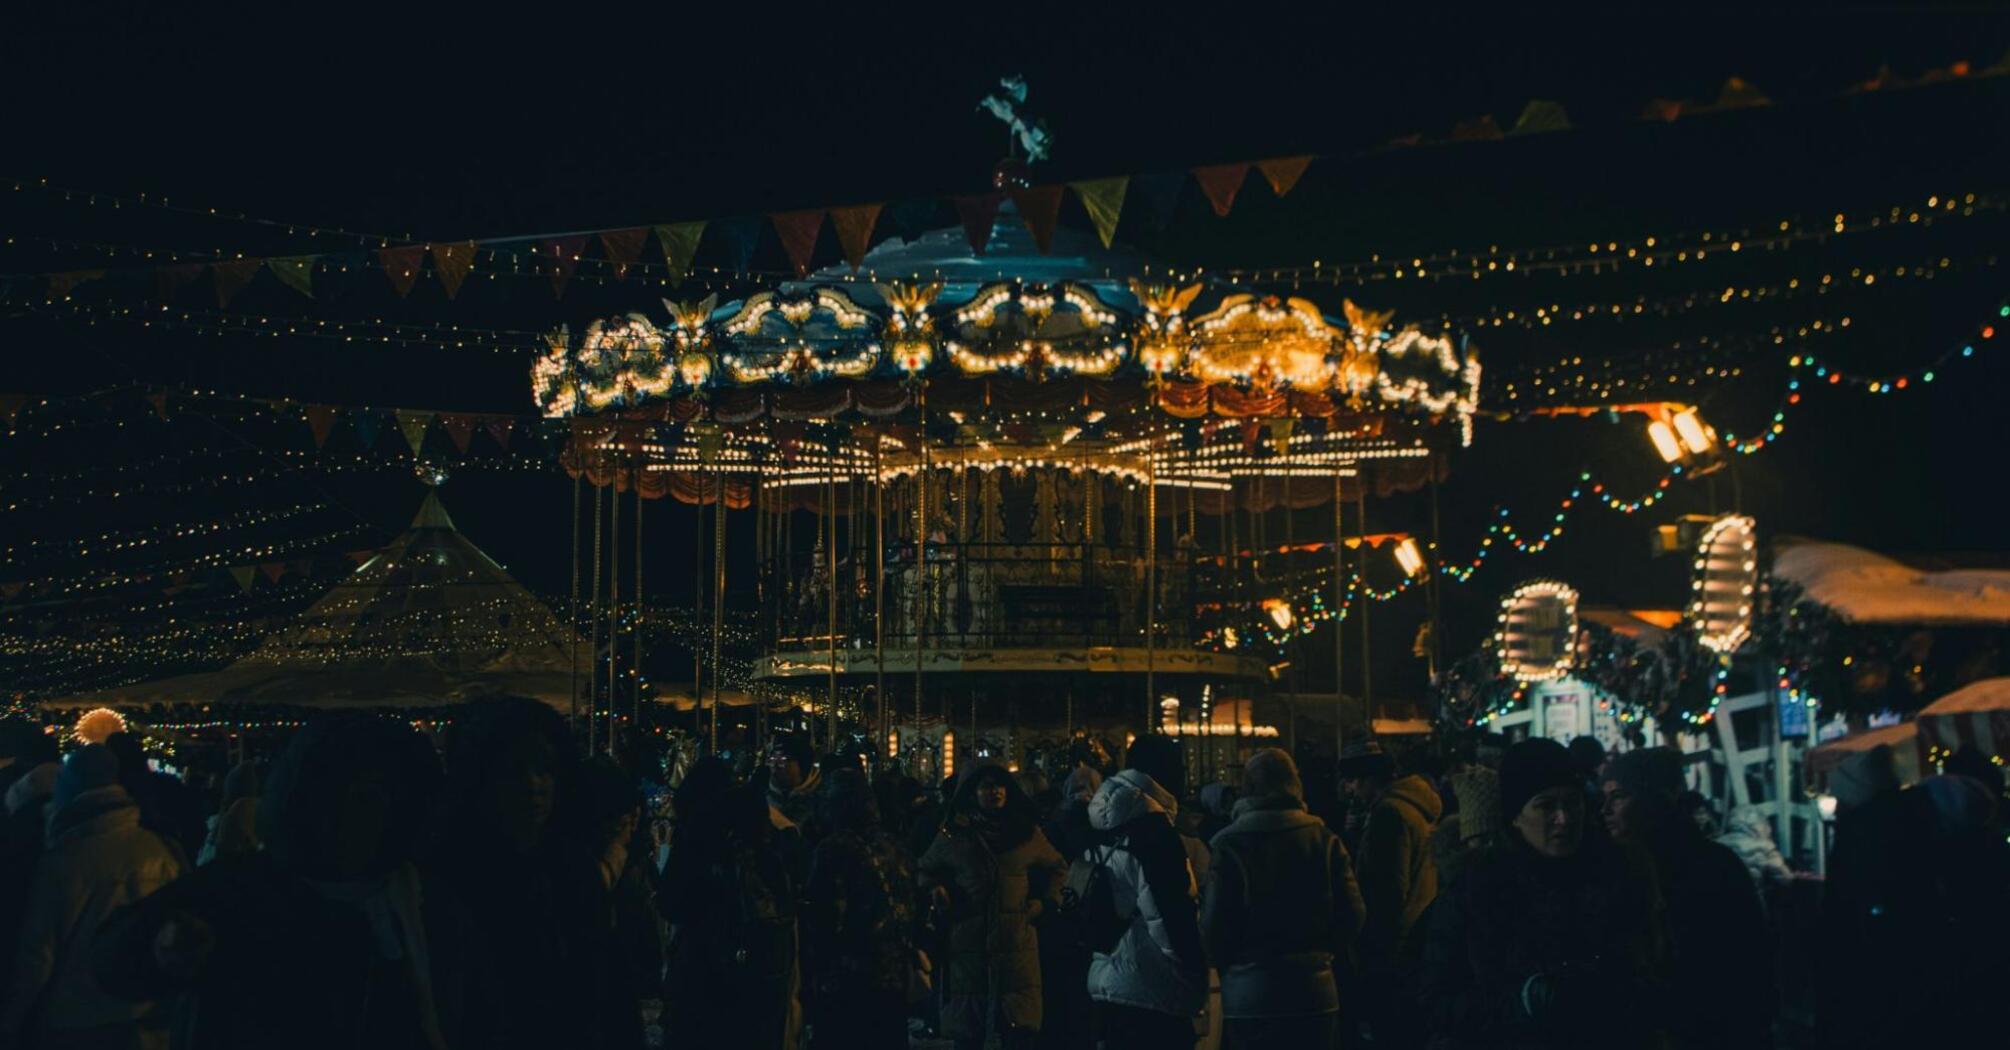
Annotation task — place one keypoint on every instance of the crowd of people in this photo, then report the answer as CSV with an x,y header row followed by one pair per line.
x,y
369,888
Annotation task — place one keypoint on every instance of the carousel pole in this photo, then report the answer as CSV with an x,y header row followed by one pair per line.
x,y
718,595
1151,588
1367,650
641,610
1339,613
879,596
593,612
698,616
613,613
1431,594
830,564
572,607
921,556
1291,634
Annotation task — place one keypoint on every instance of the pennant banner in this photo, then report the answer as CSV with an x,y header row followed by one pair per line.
x,y
451,263
231,277
413,424
62,284
853,227
160,405
564,255
296,273
402,266
10,406
499,428
320,423
1283,173
1221,182
1157,195
170,280
369,424
245,575
736,236
1539,117
977,212
1039,208
623,248
798,231
272,570
458,427
1479,129
679,242
1103,199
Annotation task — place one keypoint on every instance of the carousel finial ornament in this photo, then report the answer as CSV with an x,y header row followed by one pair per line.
x,y
689,330
1033,137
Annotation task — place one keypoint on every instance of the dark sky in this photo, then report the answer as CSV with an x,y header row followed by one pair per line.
x,y
479,126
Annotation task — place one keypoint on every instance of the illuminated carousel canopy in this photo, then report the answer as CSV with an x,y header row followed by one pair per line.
x,y
1079,358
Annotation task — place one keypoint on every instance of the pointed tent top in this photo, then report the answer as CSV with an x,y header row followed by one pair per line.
x,y
431,515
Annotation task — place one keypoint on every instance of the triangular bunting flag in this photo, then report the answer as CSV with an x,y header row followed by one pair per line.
x,y
913,218
369,423
499,428
296,272
169,280
562,255
1663,109
160,405
1479,129
359,557
1039,208
10,406
1103,199
62,284
451,263
853,227
1221,182
1738,93
460,428
679,242
1280,435
1157,195
977,212
1283,172
623,248
245,575
798,231
1252,431
272,570
12,589
231,277
1540,115
736,236
320,422
413,423
402,266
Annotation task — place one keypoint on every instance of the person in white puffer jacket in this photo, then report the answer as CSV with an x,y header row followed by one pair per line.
x,y
1150,988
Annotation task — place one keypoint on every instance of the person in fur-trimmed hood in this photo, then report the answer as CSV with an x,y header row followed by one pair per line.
x,y
1280,905
1155,982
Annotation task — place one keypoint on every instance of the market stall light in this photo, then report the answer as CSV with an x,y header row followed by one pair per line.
x,y
1665,441
1409,557
1695,436
893,743
1279,611
948,753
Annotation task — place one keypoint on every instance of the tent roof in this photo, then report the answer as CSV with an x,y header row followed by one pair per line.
x,y
429,620
1866,587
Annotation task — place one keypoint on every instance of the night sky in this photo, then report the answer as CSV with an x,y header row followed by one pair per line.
x,y
470,127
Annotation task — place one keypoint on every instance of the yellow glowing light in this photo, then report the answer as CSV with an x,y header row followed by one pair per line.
x,y
1280,613
97,725
949,753
1690,428
1664,440
1409,557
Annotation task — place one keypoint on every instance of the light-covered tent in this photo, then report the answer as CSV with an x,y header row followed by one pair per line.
x,y
1977,716
1903,739
427,621
1869,588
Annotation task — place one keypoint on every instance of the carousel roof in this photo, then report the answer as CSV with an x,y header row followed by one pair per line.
x,y
429,620
1097,331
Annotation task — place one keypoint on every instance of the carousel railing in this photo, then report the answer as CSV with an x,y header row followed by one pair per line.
x,y
1007,595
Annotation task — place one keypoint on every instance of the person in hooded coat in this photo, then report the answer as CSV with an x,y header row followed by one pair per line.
x,y
320,939
1280,906
233,828
1548,941
998,874
98,860
1751,839
858,923
27,779
1721,989
1154,985
1476,826
1399,879
1068,1022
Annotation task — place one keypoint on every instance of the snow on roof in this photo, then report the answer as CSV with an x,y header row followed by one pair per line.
x,y
1988,694
1866,587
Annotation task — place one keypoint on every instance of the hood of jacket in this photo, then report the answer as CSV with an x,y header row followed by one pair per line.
x,y
1126,797
1751,821
1415,792
93,812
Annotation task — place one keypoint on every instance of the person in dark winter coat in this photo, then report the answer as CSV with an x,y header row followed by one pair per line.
x,y
98,860
1153,985
1067,1011
1549,940
319,940
27,779
1399,879
1280,904
732,905
1719,957
233,828
858,923
168,807
999,875
1475,828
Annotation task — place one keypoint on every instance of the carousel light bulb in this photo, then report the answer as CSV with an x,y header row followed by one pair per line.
x,y
1695,436
1280,613
1409,557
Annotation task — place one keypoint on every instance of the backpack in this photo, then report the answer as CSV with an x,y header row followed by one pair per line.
x,y
758,928
1089,916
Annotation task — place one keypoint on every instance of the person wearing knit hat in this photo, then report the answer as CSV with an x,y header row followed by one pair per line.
x,y
1475,827
1720,965
1280,905
1547,939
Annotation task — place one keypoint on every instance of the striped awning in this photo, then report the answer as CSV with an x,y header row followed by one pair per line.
x,y
1976,716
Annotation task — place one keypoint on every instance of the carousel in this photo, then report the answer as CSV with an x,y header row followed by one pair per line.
x,y
1000,501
